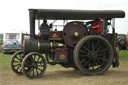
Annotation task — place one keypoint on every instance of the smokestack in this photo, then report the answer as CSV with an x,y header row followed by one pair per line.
x,y
32,22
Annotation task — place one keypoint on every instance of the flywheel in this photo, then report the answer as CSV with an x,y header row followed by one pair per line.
x,y
73,32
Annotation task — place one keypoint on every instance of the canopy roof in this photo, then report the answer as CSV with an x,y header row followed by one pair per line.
x,y
76,14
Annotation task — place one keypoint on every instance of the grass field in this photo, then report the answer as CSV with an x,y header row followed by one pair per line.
x,y
57,75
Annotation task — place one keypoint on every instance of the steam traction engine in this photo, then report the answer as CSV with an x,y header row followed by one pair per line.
x,y
75,46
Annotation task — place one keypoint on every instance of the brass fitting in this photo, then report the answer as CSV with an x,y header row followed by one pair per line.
x,y
60,44
76,34
62,56
51,44
38,45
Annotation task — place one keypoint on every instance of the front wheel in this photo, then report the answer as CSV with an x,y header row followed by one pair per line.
x,y
16,61
93,55
34,65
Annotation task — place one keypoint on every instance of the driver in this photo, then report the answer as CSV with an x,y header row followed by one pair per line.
x,y
96,25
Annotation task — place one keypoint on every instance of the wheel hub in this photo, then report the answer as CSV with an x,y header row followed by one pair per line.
x,y
34,64
73,32
93,55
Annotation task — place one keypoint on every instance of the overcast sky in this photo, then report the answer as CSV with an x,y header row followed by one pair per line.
x,y
14,13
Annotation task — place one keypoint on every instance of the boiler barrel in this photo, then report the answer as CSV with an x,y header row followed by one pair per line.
x,y
36,45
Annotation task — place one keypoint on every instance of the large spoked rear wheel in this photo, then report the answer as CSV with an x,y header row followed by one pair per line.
x,y
93,55
16,61
34,65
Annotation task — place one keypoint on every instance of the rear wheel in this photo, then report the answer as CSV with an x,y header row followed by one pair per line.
x,y
34,65
93,55
16,62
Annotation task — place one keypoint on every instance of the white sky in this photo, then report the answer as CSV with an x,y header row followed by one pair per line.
x,y
14,13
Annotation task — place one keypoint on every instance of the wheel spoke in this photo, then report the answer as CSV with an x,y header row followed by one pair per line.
x,y
20,70
32,60
37,71
40,65
98,48
28,65
92,45
87,62
82,51
18,58
103,50
16,61
33,57
86,48
98,61
38,58
103,59
28,71
84,55
88,44
83,60
41,61
33,72
97,44
93,63
17,65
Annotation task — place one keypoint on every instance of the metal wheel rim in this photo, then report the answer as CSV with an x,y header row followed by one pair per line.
x,y
94,55
86,69
16,62
34,65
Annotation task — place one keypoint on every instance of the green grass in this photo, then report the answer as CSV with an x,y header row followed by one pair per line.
x,y
64,76
5,60
124,55
1,42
